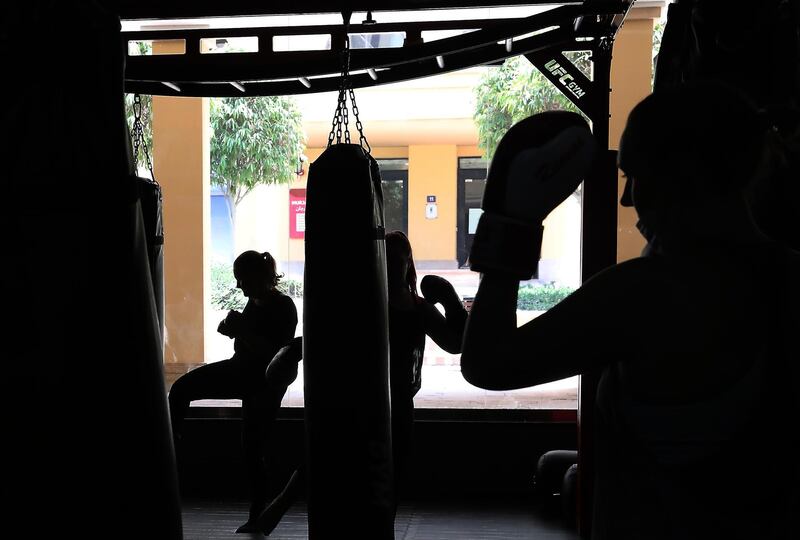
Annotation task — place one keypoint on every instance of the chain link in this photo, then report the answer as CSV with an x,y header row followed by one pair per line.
x,y
137,134
362,140
345,85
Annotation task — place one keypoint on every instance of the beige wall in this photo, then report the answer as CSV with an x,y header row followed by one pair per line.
x,y
181,156
181,150
256,218
432,170
631,71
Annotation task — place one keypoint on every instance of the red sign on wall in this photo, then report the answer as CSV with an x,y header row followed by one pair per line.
x,y
297,213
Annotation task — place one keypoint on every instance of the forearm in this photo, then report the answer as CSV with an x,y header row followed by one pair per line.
x,y
456,317
489,330
448,330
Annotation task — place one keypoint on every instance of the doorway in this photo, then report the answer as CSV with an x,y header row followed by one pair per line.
x,y
471,185
394,176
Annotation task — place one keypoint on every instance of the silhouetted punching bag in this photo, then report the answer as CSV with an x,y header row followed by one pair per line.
x,y
89,449
345,349
151,201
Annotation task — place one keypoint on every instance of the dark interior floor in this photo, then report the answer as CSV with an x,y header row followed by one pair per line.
x,y
473,519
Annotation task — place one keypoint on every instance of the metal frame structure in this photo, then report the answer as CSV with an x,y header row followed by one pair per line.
x,y
270,72
542,38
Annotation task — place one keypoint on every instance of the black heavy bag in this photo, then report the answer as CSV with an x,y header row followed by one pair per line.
x,y
345,349
151,202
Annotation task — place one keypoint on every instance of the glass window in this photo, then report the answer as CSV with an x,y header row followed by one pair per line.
x,y
433,194
378,40
394,175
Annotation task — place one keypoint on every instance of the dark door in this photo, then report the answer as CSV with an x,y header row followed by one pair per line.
x,y
471,184
394,175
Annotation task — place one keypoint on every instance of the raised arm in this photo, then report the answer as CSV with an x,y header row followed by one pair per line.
x,y
576,335
448,330
538,163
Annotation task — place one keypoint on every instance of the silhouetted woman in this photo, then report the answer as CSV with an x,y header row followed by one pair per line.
x,y
694,405
259,331
411,318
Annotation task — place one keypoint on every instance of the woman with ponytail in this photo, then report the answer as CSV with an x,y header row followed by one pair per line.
x,y
259,331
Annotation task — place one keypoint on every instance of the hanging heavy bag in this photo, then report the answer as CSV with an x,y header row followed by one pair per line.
x,y
345,342
150,199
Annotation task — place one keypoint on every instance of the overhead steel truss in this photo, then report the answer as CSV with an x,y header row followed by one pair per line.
x,y
542,38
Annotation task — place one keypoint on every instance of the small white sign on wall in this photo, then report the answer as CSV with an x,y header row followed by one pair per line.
x,y
431,211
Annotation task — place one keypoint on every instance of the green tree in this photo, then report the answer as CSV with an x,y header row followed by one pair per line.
x,y
254,141
658,35
513,91
147,124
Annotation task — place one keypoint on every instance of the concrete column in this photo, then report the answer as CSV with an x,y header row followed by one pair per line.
x,y
433,170
181,155
631,75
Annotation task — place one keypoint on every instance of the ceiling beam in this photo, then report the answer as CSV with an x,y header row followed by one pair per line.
x,y
192,9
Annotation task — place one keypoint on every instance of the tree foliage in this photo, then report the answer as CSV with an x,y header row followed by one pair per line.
x,y
147,124
513,91
254,140
658,35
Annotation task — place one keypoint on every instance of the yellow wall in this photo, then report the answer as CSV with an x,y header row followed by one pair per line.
x,y
470,150
631,70
432,170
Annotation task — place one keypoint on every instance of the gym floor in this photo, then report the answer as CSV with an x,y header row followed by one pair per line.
x,y
474,519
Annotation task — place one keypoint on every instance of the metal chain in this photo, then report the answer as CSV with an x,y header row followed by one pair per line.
x,y
341,104
345,85
346,121
338,116
137,134
341,116
332,134
362,140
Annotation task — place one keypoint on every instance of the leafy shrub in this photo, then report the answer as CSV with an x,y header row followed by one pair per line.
x,y
291,287
541,297
225,295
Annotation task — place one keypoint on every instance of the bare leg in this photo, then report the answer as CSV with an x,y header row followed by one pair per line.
x,y
273,513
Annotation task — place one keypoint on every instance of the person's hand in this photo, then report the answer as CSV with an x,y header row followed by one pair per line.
x,y
536,165
542,177
231,324
438,290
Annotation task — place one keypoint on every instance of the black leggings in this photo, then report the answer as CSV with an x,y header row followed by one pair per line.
x,y
231,379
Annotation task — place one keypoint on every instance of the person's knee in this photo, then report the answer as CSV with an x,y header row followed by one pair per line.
x,y
177,393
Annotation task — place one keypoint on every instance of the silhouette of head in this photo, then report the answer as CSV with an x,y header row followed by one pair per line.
x,y
400,262
688,146
255,273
